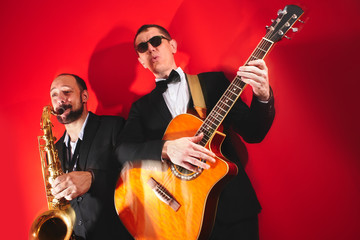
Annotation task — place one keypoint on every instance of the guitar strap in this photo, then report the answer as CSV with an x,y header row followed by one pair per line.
x,y
197,95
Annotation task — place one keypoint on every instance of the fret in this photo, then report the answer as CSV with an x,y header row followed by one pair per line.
x,y
214,119
217,109
206,133
208,127
259,55
211,123
236,88
231,91
203,142
227,99
206,137
225,110
267,40
226,104
263,50
216,116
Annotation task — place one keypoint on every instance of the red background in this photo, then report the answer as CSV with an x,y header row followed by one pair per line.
x,y
306,171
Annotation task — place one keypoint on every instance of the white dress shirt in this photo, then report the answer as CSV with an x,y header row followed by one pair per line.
x,y
177,95
81,135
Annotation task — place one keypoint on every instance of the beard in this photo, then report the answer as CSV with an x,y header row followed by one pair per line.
x,y
72,116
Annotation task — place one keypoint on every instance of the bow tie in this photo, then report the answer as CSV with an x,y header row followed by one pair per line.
x,y
173,78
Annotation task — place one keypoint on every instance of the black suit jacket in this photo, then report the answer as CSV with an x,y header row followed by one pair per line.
x,y
149,117
96,217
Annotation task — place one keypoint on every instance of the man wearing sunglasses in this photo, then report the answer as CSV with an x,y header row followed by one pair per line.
x,y
149,117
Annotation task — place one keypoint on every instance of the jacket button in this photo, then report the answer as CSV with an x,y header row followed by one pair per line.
x,y
80,222
79,199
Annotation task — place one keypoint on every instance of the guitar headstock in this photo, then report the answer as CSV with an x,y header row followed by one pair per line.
x,y
284,22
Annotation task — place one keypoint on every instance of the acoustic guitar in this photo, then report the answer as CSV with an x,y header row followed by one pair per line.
x,y
160,200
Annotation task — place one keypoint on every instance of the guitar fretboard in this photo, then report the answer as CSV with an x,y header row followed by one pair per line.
x,y
228,99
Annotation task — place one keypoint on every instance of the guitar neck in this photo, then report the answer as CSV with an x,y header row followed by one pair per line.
x,y
285,20
232,93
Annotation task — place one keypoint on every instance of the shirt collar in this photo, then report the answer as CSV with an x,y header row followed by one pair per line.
x,y
180,72
81,133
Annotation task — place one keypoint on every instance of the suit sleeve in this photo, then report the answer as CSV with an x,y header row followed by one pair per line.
x,y
100,176
134,143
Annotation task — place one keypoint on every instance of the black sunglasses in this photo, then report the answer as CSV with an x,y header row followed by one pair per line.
x,y
154,41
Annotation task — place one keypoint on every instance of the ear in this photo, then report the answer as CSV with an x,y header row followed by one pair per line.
x,y
85,96
173,45
142,62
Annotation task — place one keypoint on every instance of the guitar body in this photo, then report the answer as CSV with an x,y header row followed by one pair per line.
x,y
143,212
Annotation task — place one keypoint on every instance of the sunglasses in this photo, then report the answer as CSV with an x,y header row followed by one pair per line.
x,y
154,41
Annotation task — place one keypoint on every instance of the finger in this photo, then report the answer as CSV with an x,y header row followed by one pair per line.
x,y
202,152
190,167
254,84
60,194
251,72
258,63
204,156
59,180
56,190
197,138
61,186
70,196
196,162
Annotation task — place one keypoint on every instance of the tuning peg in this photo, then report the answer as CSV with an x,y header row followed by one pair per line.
x,y
287,37
281,12
301,21
295,29
271,28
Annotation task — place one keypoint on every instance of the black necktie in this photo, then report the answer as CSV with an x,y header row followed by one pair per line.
x,y
173,77
72,162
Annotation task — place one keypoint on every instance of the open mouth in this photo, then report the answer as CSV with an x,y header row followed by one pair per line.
x,y
154,58
62,109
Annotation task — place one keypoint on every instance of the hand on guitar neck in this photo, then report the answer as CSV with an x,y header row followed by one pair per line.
x,y
186,153
255,74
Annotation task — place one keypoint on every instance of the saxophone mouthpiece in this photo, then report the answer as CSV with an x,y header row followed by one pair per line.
x,y
60,111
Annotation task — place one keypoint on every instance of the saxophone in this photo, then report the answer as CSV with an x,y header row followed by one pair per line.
x,y
57,222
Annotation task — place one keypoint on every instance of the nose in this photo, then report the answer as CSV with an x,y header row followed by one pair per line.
x,y
150,47
61,99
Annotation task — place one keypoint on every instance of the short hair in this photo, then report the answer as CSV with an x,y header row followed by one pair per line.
x,y
80,82
145,27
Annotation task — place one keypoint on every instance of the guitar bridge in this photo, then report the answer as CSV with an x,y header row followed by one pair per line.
x,y
163,194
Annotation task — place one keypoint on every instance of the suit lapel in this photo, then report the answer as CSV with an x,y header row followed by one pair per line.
x,y
158,101
60,149
89,135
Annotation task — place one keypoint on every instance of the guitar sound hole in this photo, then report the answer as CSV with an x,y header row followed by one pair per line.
x,y
183,173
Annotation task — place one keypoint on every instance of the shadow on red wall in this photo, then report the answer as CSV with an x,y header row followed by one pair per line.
x,y
112,71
